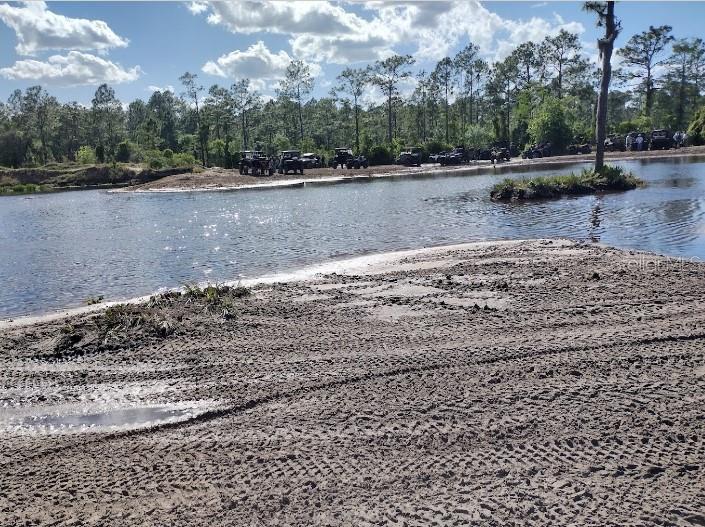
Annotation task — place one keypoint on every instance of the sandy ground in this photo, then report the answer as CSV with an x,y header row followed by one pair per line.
x,y
222,179
518,383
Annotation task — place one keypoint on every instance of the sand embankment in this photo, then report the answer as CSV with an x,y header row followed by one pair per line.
x,y
222,179
533,383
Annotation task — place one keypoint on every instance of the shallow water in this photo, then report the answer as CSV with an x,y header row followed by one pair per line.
x,y
114,418
57,250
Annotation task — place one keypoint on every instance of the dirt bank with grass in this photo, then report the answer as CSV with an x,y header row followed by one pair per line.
x,y
223,179
532,383
67,177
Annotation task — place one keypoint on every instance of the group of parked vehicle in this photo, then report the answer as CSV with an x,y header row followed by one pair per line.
x,y
633,142
638,141
256,163
413,156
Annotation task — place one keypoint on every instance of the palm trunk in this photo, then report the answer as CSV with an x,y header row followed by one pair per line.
x,y
389,116
605,46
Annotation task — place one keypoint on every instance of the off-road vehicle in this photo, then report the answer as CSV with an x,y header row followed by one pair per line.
x,y
311,160
255,163
615,143
537,151
661,140
579,147
290,161
459,155
344,158
410,157
500,153
633,144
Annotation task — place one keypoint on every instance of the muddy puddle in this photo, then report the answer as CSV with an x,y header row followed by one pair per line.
x,y
99,420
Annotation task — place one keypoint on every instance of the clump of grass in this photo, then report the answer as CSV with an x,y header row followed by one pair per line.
x,y
123,320
92,300
609,179
216,298
20,188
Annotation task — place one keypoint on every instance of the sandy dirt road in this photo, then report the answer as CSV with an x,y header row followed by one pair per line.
x,y
518,383
222,179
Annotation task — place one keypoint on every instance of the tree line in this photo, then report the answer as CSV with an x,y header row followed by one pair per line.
x,y
542,91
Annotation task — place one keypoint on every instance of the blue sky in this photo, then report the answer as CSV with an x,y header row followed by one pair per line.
x,y
65,47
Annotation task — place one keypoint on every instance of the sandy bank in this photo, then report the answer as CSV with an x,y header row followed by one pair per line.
x,y
223,180
533,383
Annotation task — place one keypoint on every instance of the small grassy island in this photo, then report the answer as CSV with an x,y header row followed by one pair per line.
x,y
610,179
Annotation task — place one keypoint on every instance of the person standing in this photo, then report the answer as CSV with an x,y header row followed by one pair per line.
x,y
639,142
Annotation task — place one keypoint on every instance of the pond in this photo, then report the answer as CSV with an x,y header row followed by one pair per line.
x,y
57,250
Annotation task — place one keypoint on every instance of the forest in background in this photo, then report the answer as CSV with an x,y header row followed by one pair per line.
x,y
543,91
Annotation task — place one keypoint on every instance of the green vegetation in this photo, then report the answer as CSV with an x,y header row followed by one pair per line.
x,y
610,179
20,188
696,130
542,91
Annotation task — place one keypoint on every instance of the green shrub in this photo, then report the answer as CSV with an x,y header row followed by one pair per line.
x,y
549,124
100,154
696,130
183,160
86,155
380,155
124,152
168,153
587,182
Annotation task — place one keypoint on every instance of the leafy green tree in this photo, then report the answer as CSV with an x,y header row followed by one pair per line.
x,y
191,93
549,125
443,75
295,86
696,130
642,55
86,155
562,54
352,82
107,117
386,74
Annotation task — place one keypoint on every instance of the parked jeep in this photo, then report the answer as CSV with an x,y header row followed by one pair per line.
x,y
290,161
500,153
661,140
410,156
615,142
255,163
434,158
537,151
457,156
579,148
311,160
344,158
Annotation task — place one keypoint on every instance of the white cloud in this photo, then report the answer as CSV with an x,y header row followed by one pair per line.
x,y
257,63
325,31
39,29
197,7
153,88
74,69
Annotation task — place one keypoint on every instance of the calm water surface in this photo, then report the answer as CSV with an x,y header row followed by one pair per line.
x,y
56,250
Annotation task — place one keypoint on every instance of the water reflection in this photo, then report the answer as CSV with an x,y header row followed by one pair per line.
x,y
56,250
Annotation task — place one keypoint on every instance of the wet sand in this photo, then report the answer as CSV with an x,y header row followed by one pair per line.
x,y
514,383
223,179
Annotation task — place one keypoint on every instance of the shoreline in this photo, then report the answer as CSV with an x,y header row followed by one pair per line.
x,y
230,180
370,263
529,382
341,266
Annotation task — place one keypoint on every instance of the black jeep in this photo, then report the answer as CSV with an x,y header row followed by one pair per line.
x,y
311,160
457,156
579,148
410,157
537,151
290,161
661,140
345,158
614,143
500,153
255,163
